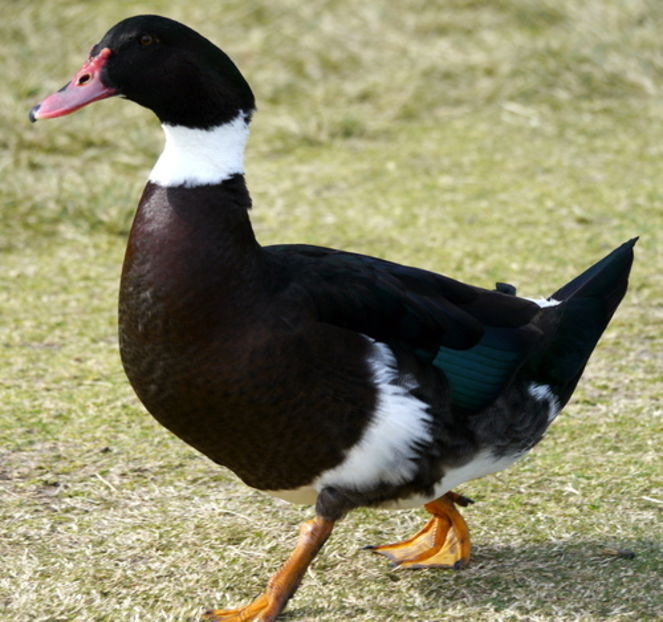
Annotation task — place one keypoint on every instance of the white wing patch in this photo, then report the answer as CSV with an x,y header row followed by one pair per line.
x,y
544,302
193,157
543,393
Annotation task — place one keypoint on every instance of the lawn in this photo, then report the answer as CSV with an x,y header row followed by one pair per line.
x,y
514,140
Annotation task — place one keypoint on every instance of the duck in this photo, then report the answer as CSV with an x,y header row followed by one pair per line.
x,y
316,375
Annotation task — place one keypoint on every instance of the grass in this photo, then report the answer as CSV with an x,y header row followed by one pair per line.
x,y
514,140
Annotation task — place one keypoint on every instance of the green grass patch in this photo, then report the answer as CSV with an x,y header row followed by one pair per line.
x,y
515,140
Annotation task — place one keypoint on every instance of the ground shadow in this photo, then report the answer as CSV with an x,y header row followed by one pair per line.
x,y
560,580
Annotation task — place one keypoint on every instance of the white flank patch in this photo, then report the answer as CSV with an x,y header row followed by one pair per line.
x,y
193,157
384,453
543,393
544,302
484,463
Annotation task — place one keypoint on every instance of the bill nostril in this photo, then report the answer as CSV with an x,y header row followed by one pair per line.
x,y
84,79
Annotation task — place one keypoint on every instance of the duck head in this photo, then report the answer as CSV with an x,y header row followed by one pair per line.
x,y
163,65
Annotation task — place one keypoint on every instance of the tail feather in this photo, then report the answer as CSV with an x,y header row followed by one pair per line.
x,y
606,279
588,302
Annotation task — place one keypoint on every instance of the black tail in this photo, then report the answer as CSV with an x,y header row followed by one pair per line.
x,y
587,304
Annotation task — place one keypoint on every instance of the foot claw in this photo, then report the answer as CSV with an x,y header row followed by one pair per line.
x,y
461,500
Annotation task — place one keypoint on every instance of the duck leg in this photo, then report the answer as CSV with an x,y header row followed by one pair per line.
x,y
283,584
443,542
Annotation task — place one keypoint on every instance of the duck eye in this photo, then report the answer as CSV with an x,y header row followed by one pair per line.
x,y
147,40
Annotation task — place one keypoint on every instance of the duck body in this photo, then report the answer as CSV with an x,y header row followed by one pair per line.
x,y
317,375
301,367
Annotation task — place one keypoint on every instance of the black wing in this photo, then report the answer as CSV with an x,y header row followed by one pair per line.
x,y
477,337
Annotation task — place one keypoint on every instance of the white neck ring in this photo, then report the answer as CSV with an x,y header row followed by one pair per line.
x,y
194,157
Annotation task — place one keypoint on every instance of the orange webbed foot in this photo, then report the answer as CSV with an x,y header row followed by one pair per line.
x,y
260,610
312,535
444,542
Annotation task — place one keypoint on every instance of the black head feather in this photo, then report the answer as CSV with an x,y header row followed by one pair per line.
x,y
177,73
